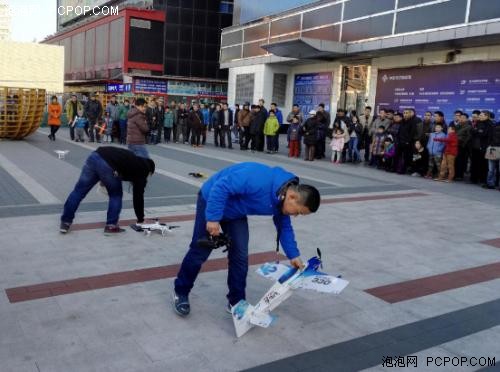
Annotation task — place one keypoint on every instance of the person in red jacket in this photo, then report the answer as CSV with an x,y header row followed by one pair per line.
x,y
450,154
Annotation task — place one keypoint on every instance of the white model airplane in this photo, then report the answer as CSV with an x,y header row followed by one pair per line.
x,y
246,316
61,154
148,228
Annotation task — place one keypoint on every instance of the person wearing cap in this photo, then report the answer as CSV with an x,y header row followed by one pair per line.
x,y
72,108
93,112
310,132
224,202
244,119
110,166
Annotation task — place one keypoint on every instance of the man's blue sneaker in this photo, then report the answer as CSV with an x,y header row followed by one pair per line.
x,y
181,304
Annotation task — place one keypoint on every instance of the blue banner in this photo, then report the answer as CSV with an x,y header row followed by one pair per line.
x,y
150,86
466,87
312,89
118,88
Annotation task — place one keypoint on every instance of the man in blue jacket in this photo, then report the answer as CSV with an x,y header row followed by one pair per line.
x,y
225,201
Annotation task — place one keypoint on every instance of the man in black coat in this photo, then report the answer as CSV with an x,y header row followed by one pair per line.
x,y
406,139
226,120
93,112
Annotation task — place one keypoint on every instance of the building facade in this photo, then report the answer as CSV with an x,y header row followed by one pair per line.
x,y
4,20
343,52
158,47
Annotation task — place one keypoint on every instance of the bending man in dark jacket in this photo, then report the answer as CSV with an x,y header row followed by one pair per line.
x,y
225,201
110,166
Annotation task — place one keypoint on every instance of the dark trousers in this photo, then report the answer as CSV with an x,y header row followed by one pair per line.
x,y
320,148
259,141
53,130
123,131
368,142
404,154
277,141
93,131
226,132
310,152
204,135
174,133
196,136
252,141
72,132
196,256
376,160
461,162
115,132
95,169
219,136
244,138
270,143
166,134
478,167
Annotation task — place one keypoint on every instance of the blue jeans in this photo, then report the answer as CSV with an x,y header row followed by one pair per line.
x,y
196,256
139,150
123,131
95,169
353,146
492,172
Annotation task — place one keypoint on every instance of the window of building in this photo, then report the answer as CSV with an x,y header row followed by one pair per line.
x,y
279,89
226,7
244,88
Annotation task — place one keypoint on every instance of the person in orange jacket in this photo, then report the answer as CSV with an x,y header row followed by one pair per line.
x,y
54,121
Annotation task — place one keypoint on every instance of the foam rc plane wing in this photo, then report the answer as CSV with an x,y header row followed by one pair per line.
x,y
246,316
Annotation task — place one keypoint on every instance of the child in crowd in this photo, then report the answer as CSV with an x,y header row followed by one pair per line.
x,y
79,123
101,128
420,161
108,132
271,128
377,147
436,149
294,138
450,154
389,154
168,124
337,145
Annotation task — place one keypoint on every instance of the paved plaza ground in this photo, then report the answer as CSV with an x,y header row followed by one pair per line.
x,y
422,258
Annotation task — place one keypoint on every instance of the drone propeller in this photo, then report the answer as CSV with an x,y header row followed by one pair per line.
x,y
318,251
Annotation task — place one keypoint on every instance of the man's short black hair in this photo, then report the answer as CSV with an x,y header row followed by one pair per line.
x,y
476,112
309,196
465,114
439,113
458,112
368,108
140,102
381,127
295,105
322,105
274,104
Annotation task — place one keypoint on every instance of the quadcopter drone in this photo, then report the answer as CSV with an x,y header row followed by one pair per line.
x,y
148,228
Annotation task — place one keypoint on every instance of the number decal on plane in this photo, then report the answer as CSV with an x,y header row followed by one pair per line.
x,y
320,280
